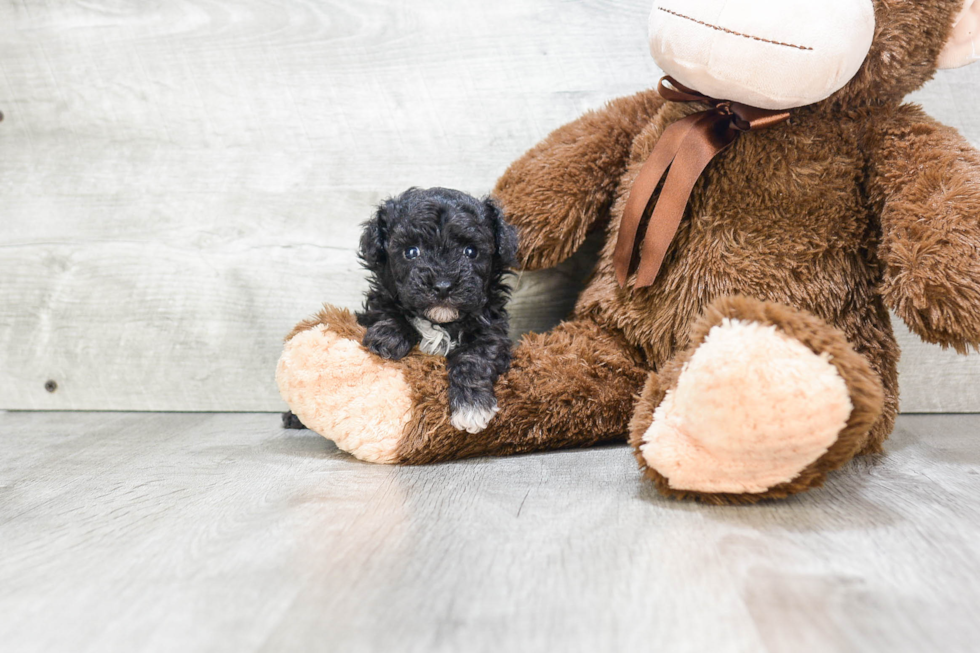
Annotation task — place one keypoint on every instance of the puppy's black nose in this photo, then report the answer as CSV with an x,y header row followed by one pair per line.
x,y
442,288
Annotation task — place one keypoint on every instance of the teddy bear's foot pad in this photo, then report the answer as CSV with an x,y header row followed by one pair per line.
x,y
338,389
752,408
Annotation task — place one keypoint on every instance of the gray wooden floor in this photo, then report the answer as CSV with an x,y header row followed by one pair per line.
x,y
190,532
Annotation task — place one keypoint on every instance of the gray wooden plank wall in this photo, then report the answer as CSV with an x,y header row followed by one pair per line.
x,y
183,181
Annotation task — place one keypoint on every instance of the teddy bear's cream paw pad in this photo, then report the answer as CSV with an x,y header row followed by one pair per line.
x,y
345,394
752,408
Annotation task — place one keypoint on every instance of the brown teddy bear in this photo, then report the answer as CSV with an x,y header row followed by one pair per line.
x,y
736,326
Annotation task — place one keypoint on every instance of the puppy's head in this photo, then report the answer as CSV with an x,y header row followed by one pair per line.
x,y
440,252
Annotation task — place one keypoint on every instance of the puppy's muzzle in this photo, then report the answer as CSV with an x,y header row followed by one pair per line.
x,y
442,314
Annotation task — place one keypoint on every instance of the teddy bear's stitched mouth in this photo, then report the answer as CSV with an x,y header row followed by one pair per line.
x,y
733,32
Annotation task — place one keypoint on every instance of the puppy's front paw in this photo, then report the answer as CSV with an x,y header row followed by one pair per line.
x,y
473,419
387,342
392,350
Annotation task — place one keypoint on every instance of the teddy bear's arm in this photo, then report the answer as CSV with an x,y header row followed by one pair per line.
x,y
925,182
564,186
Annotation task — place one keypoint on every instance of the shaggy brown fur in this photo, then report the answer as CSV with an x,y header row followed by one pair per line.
x,y
931,265
817,226
585,397
559,205
571,387
340,321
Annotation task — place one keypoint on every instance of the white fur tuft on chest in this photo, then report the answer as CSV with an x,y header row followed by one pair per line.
x,y
435,339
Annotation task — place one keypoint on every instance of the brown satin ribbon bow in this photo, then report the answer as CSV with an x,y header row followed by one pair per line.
x,y
686,147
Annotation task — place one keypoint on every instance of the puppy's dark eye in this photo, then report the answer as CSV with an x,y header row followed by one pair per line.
x,y
412,252
470,252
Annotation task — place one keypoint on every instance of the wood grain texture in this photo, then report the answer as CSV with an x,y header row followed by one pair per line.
x,y
167,532
184,181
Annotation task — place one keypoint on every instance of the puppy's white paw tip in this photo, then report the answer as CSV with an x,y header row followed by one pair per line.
x,y
473,419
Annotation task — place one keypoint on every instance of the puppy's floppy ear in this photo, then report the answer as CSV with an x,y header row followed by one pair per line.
x,y
505,234
375,236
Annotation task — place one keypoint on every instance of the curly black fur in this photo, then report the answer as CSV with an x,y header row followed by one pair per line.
x,y
445,250
290,421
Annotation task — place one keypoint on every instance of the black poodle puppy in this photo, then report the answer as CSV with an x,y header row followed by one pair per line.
x,y
438,258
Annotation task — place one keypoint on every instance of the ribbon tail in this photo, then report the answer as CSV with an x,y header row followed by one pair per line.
x,y
643,188
748,118
672,90
703,143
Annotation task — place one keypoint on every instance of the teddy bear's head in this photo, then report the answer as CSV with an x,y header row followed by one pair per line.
x,y
781,54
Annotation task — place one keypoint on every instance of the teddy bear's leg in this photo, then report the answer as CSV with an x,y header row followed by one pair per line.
x,y
573,386
765,401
